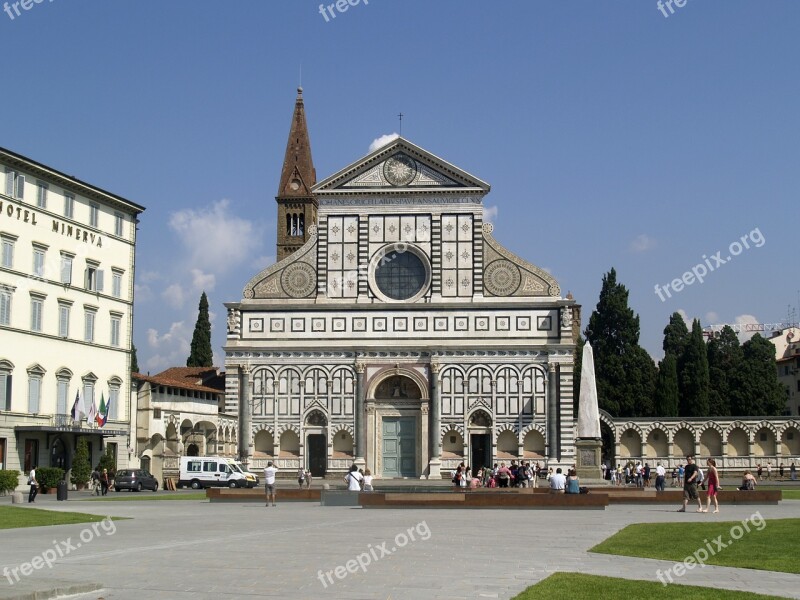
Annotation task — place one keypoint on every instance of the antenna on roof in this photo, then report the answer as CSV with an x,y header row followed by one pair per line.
x,y
300,82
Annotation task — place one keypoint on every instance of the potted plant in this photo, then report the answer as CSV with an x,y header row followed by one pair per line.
x,y
9,480
81,468
48,478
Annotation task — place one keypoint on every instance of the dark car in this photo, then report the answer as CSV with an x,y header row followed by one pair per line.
x,y
135,480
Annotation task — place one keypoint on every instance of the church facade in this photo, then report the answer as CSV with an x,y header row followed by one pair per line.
x,y
395,331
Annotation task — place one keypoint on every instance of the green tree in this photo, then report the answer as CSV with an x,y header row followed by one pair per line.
x,y
201,354
667,397
625,372
694,378
676,335
108,461
756,391
724,361
134,360
81,466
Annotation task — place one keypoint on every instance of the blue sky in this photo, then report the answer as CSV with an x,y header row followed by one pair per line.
x,y
611,135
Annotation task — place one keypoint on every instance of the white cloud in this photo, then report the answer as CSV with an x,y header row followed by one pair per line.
x,y
174,295
169,349
745,320
381,141
642,243
214,238
685,317
712,318
203,282
490,214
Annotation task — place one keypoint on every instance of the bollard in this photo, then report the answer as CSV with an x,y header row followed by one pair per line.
x,y
17,498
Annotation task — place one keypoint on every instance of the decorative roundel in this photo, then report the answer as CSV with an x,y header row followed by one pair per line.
x,y
502,278
400,170
298,280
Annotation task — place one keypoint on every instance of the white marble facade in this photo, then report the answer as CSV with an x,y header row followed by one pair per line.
x,y
402,336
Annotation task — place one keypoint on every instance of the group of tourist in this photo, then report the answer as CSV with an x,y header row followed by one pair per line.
x,y
515,475
781,471
101,481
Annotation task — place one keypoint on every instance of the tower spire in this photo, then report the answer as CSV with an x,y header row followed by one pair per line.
x,y
297,206
298,175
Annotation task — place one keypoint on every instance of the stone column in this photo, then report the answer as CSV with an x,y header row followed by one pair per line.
x,y
552,407
245,415
435,464
360,416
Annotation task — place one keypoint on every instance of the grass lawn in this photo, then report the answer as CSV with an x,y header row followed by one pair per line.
x,y
791,494
576,586
134,497
12,517
774,548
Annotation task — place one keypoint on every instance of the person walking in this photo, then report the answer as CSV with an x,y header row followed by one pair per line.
x,y
301,477
793,472
712,479
96,481
661,477
269,482
308,479
690,485
104,482
34,485
769,470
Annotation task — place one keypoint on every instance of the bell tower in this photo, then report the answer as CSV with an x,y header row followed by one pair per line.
x,y
297,207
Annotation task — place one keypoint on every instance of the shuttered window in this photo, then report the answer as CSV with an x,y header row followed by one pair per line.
x,y
63,320
34,393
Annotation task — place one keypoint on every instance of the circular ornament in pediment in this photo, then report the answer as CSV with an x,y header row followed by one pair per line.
x,y
502,278
400,170
298,280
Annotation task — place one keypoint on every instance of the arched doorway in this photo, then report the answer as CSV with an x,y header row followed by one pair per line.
x,y
316,443
192,450
609,451
396,428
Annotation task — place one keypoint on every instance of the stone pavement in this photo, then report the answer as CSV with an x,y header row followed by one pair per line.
x,y
193,549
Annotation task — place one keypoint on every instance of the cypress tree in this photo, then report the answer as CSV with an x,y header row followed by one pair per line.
x,y
676,335
667,398
694,377
201,354
134,360
756,391
724,361
625,372
81,466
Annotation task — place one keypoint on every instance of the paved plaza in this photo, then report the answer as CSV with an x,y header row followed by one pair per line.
x,y
193,549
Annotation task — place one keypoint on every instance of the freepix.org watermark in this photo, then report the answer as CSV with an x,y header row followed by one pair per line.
x,y
12,9
421,531
59,550
341,6
711,548
701,270
663,5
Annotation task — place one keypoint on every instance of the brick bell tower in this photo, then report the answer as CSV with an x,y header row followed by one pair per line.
x,y
297,207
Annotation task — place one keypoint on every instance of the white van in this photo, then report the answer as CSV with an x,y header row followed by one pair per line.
x,y
252,478
200,472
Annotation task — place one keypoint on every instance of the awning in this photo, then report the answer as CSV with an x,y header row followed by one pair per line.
x,y
75,430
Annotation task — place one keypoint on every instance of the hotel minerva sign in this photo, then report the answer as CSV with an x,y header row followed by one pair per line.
x,y
27,215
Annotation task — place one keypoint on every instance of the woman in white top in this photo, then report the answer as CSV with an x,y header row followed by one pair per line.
x,y
368,481
353,479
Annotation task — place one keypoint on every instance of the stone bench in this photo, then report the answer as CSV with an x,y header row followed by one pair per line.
x,y
675,496
257,495
482,500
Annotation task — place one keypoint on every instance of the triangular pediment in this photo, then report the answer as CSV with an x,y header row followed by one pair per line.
x,y
401,166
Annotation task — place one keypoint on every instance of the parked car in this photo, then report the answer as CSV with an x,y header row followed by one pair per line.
x,y
135,480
